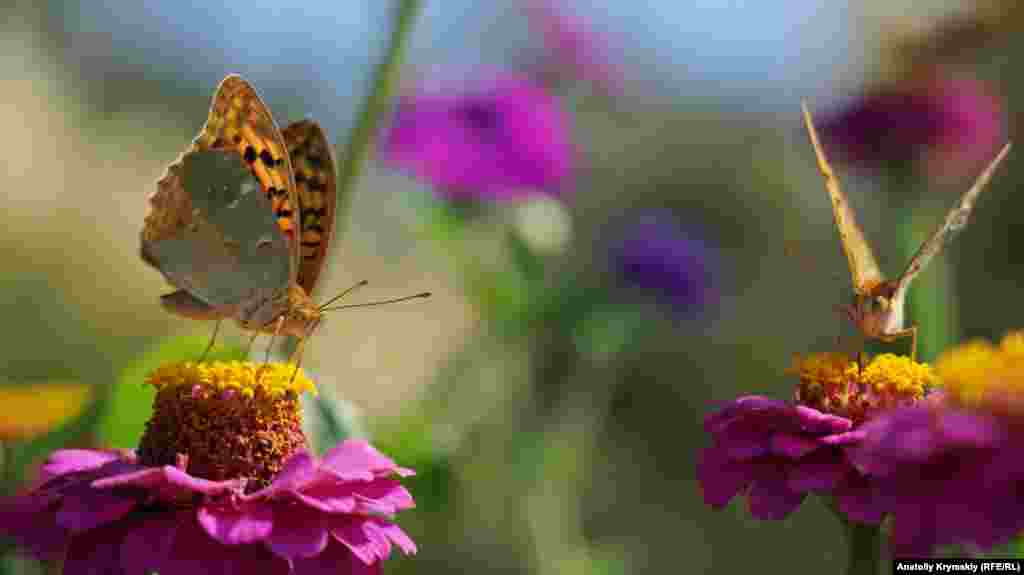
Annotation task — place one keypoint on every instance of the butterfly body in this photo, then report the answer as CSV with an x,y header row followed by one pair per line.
x,y
291,312
241,221
878,313
878,306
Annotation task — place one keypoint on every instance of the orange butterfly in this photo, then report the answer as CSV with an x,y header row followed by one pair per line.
x,y
877,308
266,288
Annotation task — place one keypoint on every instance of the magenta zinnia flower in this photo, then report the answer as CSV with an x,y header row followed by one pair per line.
x,y
221,483
776,452
951,123
951,471
504,139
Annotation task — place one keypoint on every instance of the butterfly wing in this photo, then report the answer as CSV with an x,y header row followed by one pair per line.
x,y
189,217
240,121
956,221
863,266
315,181
221,242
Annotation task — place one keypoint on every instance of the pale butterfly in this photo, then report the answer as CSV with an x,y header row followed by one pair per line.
x,y
878,305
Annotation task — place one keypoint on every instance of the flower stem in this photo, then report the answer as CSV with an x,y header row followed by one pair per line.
x,y
361,138
865,548
932,304
385,77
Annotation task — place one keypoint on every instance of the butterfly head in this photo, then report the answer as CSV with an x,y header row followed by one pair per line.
x,y
877,311
301,316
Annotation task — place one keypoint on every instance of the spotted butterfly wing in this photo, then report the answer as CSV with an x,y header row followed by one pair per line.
x,y
239,120
180,237
315,180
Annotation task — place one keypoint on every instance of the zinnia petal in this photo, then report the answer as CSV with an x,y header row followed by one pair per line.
x,y
232,526
298,532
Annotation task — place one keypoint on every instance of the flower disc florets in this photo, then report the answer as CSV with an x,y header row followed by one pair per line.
x,y
231,420
950,471
227,427
832,383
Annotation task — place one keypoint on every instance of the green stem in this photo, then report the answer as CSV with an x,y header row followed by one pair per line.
x,y
932,305
865,548
361,138
385,77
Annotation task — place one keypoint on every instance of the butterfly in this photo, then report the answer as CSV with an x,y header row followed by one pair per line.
x,y
241,222
878,305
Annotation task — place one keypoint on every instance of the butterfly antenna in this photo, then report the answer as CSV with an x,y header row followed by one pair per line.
x,y
425,294
209,346
344,293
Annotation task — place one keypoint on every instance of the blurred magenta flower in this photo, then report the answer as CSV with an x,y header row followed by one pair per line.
x,y
776,452
952,123
572,48
951,471
125,512
502,139
655,255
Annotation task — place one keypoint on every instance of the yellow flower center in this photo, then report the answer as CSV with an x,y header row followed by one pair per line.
x,y
229,420
833,383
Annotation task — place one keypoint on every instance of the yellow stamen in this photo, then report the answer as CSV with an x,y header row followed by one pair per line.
x,y
898,375
270,380
833,383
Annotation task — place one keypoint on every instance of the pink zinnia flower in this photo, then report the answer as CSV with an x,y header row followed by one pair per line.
x,y
951,471
241,495
503,139
776,452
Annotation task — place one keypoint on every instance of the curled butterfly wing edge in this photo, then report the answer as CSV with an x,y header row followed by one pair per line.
x,y
863,266
956,221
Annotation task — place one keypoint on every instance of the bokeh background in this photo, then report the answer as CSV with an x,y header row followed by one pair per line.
x,y
554,415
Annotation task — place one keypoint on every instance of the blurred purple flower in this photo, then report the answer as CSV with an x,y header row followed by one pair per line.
x,y
572,48
105,512
776,453
952,123
504,139
655,254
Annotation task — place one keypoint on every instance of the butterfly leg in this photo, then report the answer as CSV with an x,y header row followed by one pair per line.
x,y
855,347
910,332
252,340
298,361
213,338
270,346
273,336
